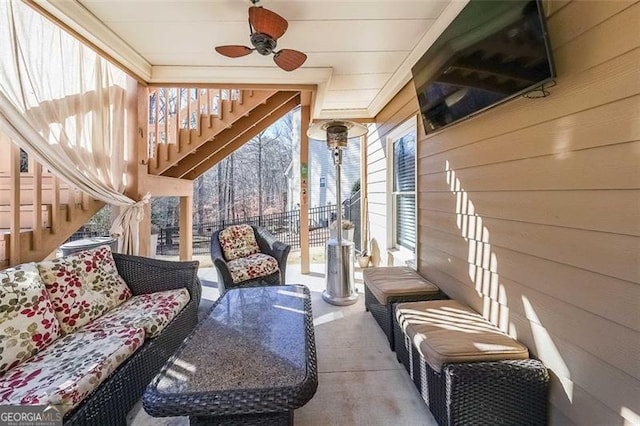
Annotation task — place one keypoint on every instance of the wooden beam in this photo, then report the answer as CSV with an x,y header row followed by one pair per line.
x,y
305,119
162,186
238,128
186,228
306,97
245,86
365,120
230,147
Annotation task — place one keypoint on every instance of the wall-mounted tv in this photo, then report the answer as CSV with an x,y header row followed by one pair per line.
x,y
491,52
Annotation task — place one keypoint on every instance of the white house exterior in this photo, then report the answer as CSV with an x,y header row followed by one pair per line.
x,y
322,174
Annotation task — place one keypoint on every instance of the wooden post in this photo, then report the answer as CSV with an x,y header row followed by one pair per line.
x,y
364,195
5,160
36,239
139,158
14,205
186,228
305,119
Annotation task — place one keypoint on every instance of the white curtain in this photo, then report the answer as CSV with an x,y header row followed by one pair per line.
x,y
66,106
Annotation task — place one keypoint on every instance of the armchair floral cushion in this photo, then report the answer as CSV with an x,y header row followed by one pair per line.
x,y
253,266
70,369
151,312
28,323
238,241
83,286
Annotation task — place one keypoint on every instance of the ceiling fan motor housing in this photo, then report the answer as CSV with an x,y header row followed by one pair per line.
x,y
264,44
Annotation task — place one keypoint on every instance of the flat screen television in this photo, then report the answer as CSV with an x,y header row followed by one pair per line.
x,y
491,52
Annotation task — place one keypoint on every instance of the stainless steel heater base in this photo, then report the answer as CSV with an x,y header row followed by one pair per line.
x,y
340,288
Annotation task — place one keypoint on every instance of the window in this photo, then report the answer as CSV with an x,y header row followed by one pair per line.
x,y
402,146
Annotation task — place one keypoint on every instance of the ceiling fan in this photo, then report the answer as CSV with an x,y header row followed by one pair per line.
x,y
266,27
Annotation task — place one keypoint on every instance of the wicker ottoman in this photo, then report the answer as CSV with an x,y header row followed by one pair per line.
x,y
385,286
466,369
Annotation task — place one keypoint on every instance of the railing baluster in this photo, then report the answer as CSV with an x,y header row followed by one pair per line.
x,y
14,206
36,239
156,120
55,205
167,115
188,108
199,95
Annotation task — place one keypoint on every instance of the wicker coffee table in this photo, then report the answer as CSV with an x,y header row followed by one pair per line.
x,y
252,360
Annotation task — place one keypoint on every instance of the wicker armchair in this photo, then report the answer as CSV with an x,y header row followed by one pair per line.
x,y
267,244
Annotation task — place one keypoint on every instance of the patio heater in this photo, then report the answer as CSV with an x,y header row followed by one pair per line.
x,y
339,253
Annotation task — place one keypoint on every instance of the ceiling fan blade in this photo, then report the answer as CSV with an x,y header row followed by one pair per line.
x,y
289,59
233,51
267,22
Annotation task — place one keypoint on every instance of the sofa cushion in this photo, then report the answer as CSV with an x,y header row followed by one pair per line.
x,y
28,323
83,286
151,312
250,267
389,281
70,369
238,241
446,331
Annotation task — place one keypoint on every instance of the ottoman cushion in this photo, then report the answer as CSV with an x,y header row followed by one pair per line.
x,y
446,331
385,282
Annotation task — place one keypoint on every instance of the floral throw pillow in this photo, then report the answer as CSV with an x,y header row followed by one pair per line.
x,y
27,321
238,241
83,286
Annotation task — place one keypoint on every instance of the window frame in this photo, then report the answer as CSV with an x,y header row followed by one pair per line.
x,y
399,253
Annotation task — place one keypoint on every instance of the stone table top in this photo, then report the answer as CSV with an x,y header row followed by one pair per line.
x,y
253,340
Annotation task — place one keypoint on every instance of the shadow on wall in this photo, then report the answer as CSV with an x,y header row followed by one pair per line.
x,y
483,273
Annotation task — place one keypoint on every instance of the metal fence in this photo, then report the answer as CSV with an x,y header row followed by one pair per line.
x,y
88,232
352,212
284,226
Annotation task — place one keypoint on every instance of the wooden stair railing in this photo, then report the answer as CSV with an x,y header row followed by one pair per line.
x,y
37,211
181,120
243,130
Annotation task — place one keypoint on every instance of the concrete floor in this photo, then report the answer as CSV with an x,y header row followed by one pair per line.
x,y
359,380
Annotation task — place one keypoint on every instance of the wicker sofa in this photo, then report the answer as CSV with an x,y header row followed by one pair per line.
x,y
113,356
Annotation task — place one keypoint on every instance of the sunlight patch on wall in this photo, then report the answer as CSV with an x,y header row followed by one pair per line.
x,y
483,263
547,350
630,417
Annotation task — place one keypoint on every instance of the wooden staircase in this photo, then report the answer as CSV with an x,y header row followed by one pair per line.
x,y
37,211
189,130
192,129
